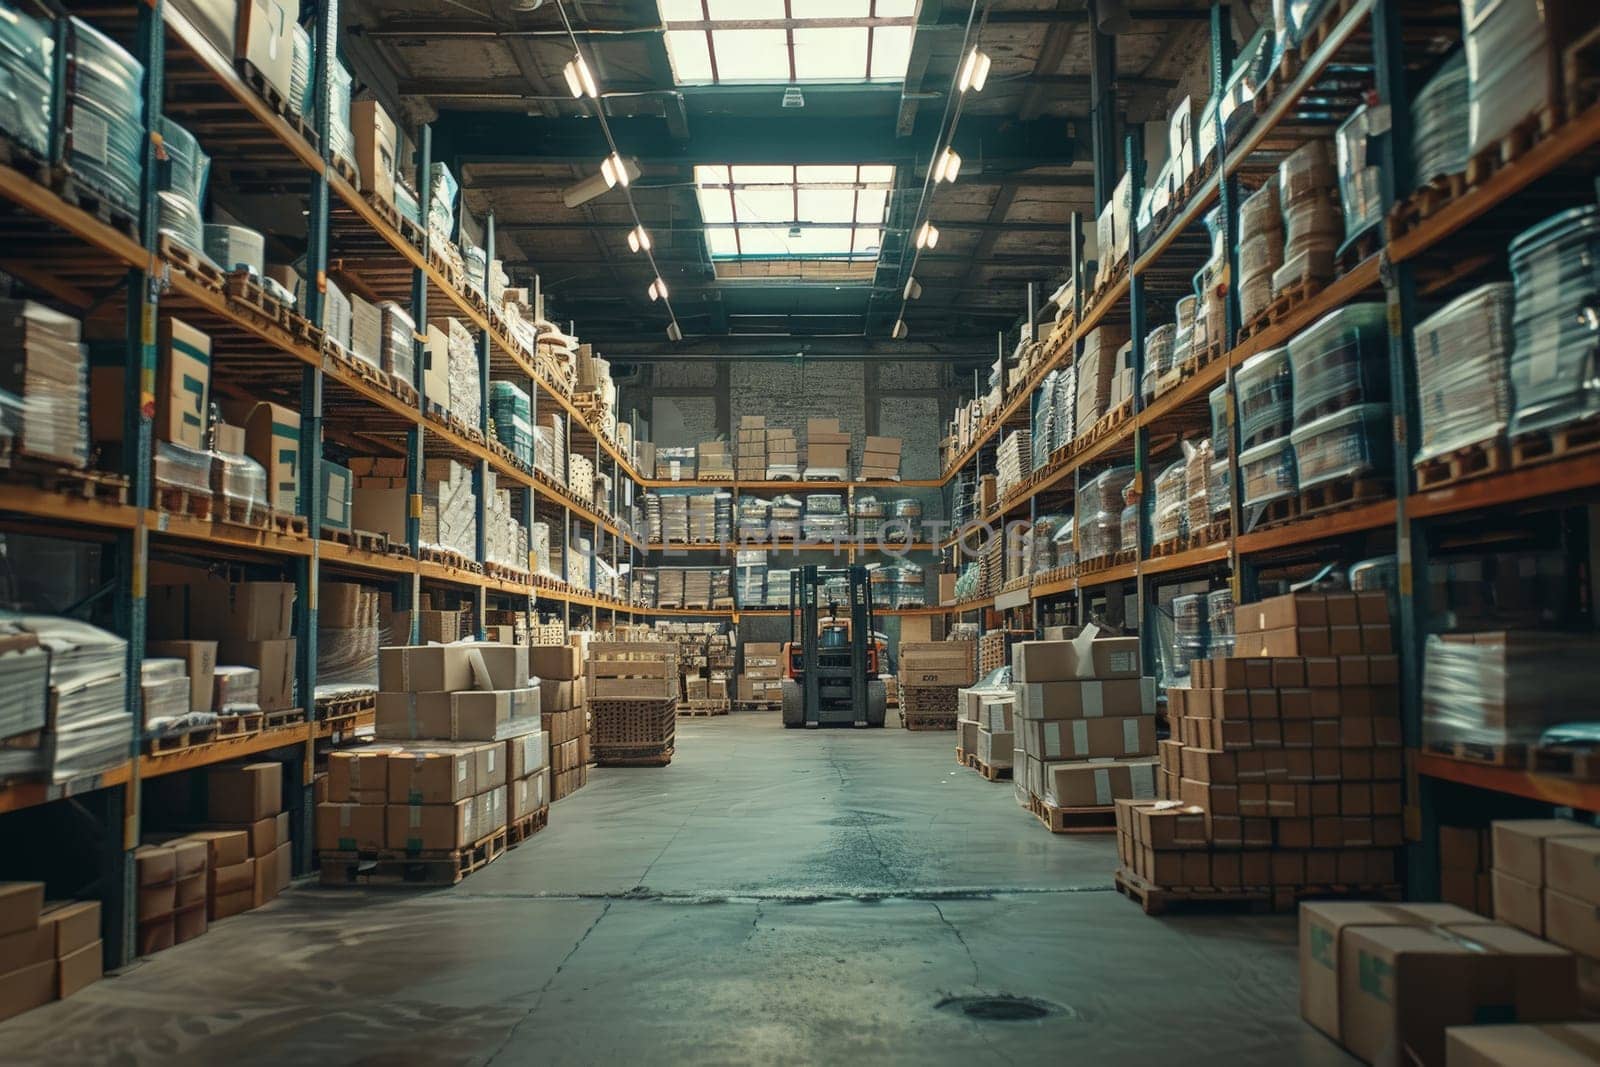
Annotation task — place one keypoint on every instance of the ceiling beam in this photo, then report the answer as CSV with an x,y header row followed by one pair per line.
x,y
693,226
997,217
1051,53
916,67
991,177
789,348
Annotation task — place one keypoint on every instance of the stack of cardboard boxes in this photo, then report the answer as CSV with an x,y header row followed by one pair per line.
x,y
751,456
783,454
714,460
51,950
1293,758
378,496
932,674
827,451
761,676
1086,727
580,477
449,517
1464,870
505,539
465,390
987,728
880,462
49,372
563,704
251,624
347,639
1546,878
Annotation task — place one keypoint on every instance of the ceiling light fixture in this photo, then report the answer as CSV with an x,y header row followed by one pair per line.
x,y
674,331
975,72
579,81
615,171
639,239
658,290
793,97
913,289
794,231
899,332
927,236
948,166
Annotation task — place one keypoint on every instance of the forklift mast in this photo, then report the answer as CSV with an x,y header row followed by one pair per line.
x,y
833,677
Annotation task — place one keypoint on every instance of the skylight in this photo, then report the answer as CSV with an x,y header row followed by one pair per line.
x,y
825,214
721,42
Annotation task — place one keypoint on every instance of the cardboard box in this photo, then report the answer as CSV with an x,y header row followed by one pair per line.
x,y
189,923
28,947
200,664
1572,867
432,776
470,715
1519,845
1069,739
559,694
1089,699
265,39
1572,923
1098,783
224,848
20,906
345,827
380,509
72,925
155,865
995,748
264,880
526,754
28,988
263,835
79,968
1280,612
242,611
283,865
244,793
1082,657
360,775
376,138
1549,1045
183,373
225,905
192,890
273,660
451,668
554,662
272,439
428,827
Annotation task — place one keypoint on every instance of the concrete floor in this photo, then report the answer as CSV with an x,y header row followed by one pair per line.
x,y
771,897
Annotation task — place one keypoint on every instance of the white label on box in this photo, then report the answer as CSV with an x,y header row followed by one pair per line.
x,y
1122,661
491,761
414,815
1080,736
1144,781
1147,696
1094,700
1130,735
461,770
1102,786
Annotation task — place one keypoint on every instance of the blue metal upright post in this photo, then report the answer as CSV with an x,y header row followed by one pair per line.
x,y
416,438
485,355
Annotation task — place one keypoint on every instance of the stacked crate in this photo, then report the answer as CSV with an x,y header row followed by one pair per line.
x,y
880,460
1291,753
988,731
1086,728
783,455
715,461
751,458
932,674
558,667
633,700
761,676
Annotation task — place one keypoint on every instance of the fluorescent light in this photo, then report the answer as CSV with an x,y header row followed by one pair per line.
x,y
658,290
948,166
974,72
899,332
615,171
639,239
674,331
579,81
913,289
927,236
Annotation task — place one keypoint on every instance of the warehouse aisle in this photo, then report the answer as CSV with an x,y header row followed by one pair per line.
x,y
772,897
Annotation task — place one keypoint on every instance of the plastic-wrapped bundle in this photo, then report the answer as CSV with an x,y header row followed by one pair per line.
x,y
164,692
183,187
1360,177
751,517
908,584
750,578
1439,133
1307,173
967,582
1514,59
1504,688
104,119
1555,267
1312,225
399,352
1128,527
442,201
466,391
1172,501
676,464
340,140
1234,109
1351,443
1463,354
1380,572
1183,334
1219,490
1219,619
477,261
1158,357
47,364
1267,472
1266,402
240,486
785,517
512,413
1260,250
302,85
405,202
1190,629
1099,513
278,292
903,521
27,49
236,248
182,468
1045,530
1196,474
1218,478
1341,360
236,690
1065,401
867,512
1044,421
337,317
1066,552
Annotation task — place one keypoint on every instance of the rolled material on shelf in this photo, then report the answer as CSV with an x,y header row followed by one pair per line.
x,y
1556,271
1440,137
1340,360
104,115
26,76
1355,442
1463,354
183,189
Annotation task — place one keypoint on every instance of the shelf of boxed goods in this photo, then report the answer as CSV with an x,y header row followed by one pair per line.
x,y
787,546
790,486
1550,789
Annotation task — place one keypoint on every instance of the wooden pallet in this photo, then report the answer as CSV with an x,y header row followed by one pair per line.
x,y
1560,442
183,502
289,525
19,157
606,757
241,725
1579,764
411,231
1273,512
1282,306
760,705
282,717
347,169
195,264
912,720
180,739
80,482
1342,493
263,86
1093,820
245,289
504,573
1159,900
397,867
1462,464
525,827
448,558
361,540
82,195
346,705
1426,202
962,759
697,708
1513,756
993,774
385,209
1515,144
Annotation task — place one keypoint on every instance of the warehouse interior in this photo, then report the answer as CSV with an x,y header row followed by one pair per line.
x,y
508,509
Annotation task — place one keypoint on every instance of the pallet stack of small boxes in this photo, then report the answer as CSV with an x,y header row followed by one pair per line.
x,y
1085,728
750,457
52,948
563,701
932,674
1289,754
987,738
1545,875
633,699
460,754
761,673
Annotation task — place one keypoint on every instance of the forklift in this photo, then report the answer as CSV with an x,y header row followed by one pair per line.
x,y
831,663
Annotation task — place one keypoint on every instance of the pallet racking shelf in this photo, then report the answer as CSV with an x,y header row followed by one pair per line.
x,y
1548,789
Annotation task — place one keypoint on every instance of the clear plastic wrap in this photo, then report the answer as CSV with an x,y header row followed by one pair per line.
x,y
1514,60
337,318
1128,528
302,85
236,690
1312,266
1197,485
1439,123
1171,503
1065,401
1259,259
104,115
1190,627
1267,473
341,142
1555,267
903,522
236,248
1219,619
1266,397
1183,333
866,514
1463,358
1042,546
1353,443
1307,173
466,390
442,201
1341,360
239,487
1504,688
1158,357
90,719
48,364
1380,572
183,187
1219,490
1221,433
27,68
399,352
1360,176
182,468
1099,513
512,414
1066,554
